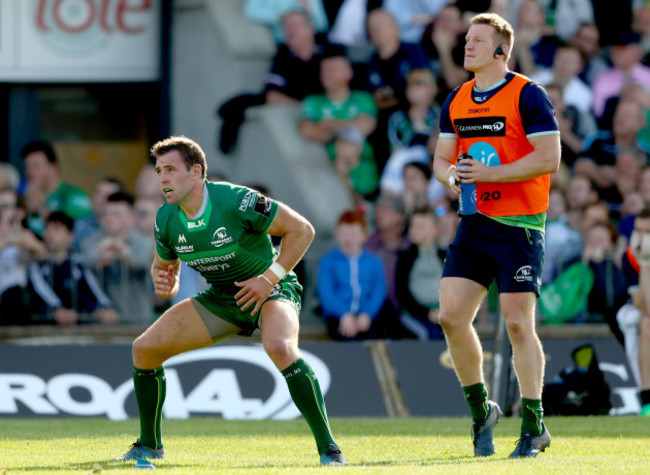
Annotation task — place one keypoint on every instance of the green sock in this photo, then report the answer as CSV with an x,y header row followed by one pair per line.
x,y
306,394
150,389
476,396
531,415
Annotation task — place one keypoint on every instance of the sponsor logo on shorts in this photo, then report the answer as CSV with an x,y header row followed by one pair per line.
x,y
220,237
524,274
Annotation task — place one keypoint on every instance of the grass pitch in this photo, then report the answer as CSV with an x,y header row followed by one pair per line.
x,y
403,446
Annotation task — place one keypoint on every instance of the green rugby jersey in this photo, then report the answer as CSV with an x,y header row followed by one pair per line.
x,y
226,242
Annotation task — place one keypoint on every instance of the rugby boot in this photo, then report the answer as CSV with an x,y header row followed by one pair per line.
x,y
530,445
141,451
483,431
332,456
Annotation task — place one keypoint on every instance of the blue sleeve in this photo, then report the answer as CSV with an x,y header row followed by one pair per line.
x,y
332,303
536,110
418,57
446,126
376,290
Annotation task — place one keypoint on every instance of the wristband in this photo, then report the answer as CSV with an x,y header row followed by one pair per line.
x,y
267,279
278,270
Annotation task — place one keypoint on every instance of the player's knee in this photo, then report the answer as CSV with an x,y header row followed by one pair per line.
x,y
447,321
516,331
279,349
143,350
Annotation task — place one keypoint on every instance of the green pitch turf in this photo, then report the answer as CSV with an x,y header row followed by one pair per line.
x,y
210,445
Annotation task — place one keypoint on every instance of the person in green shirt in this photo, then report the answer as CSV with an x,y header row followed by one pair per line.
x,y
223,231
341,119
46,191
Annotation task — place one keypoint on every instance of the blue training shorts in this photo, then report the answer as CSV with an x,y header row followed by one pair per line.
x,y
485,250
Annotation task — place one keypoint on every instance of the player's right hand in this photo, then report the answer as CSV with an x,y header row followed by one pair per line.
x,y
164,281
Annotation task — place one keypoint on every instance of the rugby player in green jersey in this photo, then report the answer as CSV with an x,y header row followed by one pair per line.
x,y
223,231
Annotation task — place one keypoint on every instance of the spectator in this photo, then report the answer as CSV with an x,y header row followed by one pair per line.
x,y
609,291
587,38
626,57
62,287
419,270
388,68
342,119
418,187
121,258
270,13
294,75
593,214
444,43
393,60
580,193
45,191
295,72
535,48
387,240
410,130
84,227
574,125
412,16
351,286
598,160
567,64
145,209
562,243
633,204
17,246
632,325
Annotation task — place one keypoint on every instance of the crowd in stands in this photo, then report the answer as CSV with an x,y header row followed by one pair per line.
x,y
369,77
68,258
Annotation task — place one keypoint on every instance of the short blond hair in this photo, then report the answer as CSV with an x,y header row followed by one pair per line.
x,y
503,30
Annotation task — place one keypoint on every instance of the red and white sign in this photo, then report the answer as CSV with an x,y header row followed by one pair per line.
x,y
79,40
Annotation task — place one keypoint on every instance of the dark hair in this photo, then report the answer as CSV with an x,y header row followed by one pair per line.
x,y
113,181
191,151
644,213
39,146
61,218
121,197
425,169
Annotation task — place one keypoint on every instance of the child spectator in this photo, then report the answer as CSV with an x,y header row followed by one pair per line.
x,y
419,270
62,287
121,257
350,283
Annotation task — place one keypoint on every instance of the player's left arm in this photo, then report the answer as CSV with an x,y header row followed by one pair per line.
x,y
542,131
297,234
